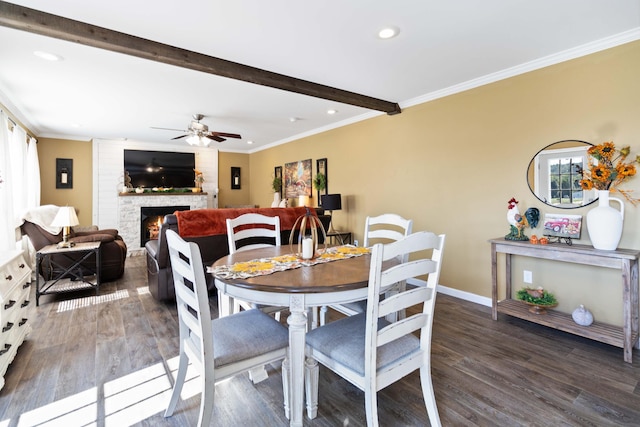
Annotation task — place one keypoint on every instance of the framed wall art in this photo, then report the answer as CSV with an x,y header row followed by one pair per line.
x,y
320,182
64,173
297,178
235,178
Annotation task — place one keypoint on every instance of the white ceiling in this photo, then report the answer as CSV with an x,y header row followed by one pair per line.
x,y
443,47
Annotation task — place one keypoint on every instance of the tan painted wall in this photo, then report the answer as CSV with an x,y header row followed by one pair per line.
x,y
227,196
80,196
453,163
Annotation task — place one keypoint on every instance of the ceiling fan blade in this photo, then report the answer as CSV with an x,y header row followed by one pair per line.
x,y
178,137
177,130
215,137
227,135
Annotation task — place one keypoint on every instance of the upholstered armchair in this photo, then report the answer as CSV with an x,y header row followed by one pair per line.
x,y
113,251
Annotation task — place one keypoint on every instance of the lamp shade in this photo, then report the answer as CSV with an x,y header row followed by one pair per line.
x,y
66,217
331,202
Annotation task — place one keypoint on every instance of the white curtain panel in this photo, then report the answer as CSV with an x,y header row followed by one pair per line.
x,y
33,175
18,156
7,225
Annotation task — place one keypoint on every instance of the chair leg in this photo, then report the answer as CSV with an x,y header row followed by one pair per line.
x,y
177,386
286,386
311,379
206,402
429,396
371,405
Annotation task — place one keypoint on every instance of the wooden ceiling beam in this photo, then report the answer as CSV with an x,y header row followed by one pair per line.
x,y
38,22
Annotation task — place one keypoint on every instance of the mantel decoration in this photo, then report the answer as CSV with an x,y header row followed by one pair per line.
x,y
199,179
607,169
538,299
308,238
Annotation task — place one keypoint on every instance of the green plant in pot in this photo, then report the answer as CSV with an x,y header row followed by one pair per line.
x,y
276,184
320,182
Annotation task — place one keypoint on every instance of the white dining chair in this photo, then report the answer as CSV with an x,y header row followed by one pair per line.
x,y
219,348
383,228
253,231
371,352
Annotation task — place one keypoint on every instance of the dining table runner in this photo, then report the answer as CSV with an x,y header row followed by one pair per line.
x,y
264,266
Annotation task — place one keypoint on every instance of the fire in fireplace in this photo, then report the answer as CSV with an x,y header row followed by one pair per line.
x,y
151,219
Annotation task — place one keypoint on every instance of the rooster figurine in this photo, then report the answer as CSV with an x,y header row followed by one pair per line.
x,y
517,221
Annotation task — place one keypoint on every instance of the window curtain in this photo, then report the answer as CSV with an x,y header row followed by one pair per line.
x,y
33,175
19,180
7,223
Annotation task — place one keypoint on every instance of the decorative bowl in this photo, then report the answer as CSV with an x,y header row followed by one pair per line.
x,y
539,308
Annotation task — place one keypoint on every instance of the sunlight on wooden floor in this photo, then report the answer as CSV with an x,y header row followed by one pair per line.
x,y
127,400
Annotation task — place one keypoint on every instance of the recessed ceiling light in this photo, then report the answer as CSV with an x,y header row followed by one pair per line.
x,y
388,32
76,125
48,56
293,119
249,142
331,111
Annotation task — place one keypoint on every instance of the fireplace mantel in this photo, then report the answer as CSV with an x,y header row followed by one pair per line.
x,y
129,205
160,193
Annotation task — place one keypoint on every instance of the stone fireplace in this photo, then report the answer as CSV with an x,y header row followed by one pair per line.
x,y
130,213
151,219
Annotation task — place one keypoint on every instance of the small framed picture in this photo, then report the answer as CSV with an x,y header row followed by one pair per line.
x,y
561,225
64,173
235,178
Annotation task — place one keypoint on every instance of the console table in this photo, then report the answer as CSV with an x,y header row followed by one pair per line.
x,y
625,260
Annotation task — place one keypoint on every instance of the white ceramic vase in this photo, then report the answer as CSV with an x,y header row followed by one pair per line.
x,y
276,200
604,222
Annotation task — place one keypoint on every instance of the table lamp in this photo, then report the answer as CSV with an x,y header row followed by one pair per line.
x,y
65,218
331,202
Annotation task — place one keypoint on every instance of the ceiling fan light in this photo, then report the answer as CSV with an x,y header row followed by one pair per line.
x,y
205,141
193,140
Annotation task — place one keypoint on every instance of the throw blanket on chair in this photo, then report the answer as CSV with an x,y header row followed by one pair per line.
x,y
208,222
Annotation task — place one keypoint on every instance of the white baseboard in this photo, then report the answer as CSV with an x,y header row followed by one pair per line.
x,y
467,296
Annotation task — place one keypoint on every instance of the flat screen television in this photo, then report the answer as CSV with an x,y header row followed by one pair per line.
x,y
150,169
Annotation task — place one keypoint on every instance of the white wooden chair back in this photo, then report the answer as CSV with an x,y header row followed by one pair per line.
x,y
389,350
381,279
386,228
244,342
255,226
192,300
247,228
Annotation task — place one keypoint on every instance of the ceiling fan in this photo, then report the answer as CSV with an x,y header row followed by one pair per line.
x,y
198,133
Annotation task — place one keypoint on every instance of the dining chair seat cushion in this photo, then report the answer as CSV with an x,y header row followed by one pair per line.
x,y
245,335
344,341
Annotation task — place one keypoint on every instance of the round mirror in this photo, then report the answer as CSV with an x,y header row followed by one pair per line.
x,y
554,174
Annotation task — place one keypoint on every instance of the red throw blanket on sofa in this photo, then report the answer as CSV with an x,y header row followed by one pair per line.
x,y
208,222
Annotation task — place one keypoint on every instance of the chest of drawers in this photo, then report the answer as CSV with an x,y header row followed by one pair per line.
x,y
15,277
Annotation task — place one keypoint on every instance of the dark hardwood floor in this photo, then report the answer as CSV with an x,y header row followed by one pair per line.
x,y
105,361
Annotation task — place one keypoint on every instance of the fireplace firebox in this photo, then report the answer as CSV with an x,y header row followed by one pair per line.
x,y
151,220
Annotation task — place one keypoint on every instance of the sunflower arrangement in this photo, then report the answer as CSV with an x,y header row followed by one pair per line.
x,y
608,167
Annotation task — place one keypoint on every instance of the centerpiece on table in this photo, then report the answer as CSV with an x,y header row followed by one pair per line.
x,y
539,299
607,168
